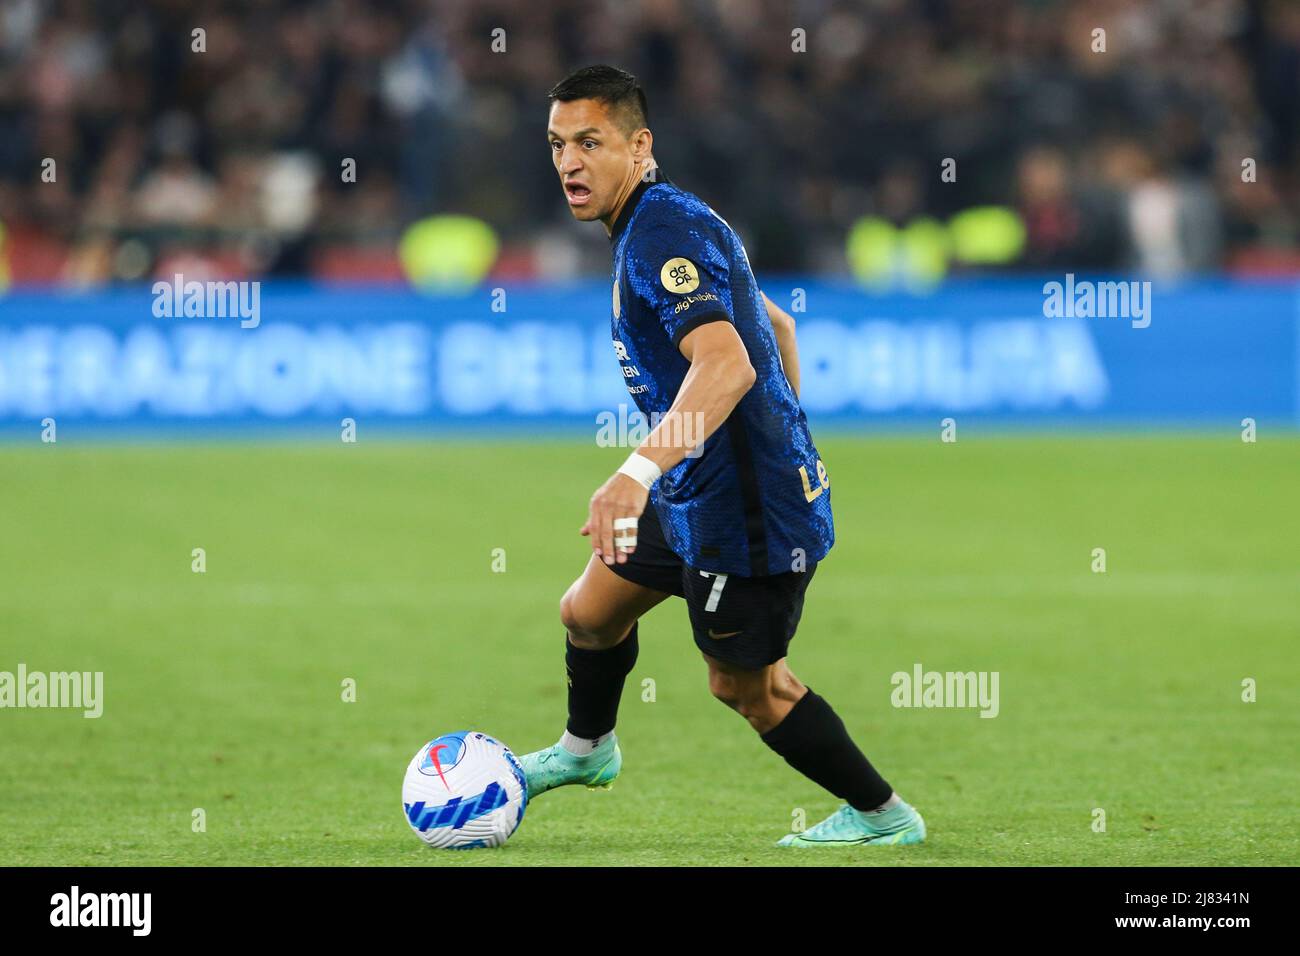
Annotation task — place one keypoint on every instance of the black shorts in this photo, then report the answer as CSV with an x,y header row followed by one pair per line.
x,y
746,621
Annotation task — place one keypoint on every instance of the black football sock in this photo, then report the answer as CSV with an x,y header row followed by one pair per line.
x,y
814,741
596,683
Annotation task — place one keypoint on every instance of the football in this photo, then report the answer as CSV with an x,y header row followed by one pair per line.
x,y
464,790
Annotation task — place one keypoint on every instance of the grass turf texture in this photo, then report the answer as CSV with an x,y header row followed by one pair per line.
x,y
372,561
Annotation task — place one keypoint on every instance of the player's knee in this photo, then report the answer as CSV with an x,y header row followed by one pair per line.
x,y
585,628
724,688
760,698
736,691
571,616
568,616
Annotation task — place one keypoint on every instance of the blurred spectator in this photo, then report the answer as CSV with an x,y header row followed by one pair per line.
x,y
1129,158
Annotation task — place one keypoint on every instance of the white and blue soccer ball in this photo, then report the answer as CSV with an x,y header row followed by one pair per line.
x,y
464,790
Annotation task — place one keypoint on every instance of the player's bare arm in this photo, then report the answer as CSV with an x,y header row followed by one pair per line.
x,y
719,376
783,326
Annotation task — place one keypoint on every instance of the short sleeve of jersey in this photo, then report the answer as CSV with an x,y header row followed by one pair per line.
x,y
681,274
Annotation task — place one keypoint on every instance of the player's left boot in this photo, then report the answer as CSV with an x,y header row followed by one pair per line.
x,y
897,826
555,767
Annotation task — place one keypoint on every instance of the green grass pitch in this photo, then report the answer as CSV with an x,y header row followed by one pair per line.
x,y
1119,691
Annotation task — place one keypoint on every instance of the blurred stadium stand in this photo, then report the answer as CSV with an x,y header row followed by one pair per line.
x,y
228,162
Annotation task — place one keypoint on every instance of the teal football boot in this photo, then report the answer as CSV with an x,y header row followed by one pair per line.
x,y
556,767
897,826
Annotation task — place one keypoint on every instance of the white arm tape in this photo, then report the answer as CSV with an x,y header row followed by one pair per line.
x,y
640,468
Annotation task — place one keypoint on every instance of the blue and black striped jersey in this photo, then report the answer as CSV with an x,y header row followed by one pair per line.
x,y
756,501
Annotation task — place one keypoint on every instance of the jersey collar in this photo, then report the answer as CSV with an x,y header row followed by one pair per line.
x,y
629,207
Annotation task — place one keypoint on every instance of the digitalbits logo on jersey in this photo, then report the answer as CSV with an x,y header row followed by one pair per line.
x,y
464,790
679,275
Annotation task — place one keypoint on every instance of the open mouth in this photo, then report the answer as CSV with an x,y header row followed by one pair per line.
x,y
577,193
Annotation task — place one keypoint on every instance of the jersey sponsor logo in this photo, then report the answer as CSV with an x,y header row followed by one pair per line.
x,y
679,276
690,300
810,493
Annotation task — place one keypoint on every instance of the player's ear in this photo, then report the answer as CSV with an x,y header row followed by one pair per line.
x,y
642,145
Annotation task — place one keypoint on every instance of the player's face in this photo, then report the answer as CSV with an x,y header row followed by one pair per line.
x,y
597,162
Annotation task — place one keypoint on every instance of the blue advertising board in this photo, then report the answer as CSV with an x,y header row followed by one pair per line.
x,y
533,355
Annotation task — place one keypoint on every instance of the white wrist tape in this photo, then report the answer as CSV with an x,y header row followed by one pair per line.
x,y
640,468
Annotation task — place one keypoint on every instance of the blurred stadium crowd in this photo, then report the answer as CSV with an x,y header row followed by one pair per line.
x,y
231,160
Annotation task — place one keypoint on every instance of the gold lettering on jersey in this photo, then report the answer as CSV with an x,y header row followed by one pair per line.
x,y
679,276
690,300
823,482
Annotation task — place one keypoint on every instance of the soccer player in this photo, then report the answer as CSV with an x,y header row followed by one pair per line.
x,y
740,511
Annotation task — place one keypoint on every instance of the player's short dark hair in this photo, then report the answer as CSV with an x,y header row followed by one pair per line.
x,y
619,90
